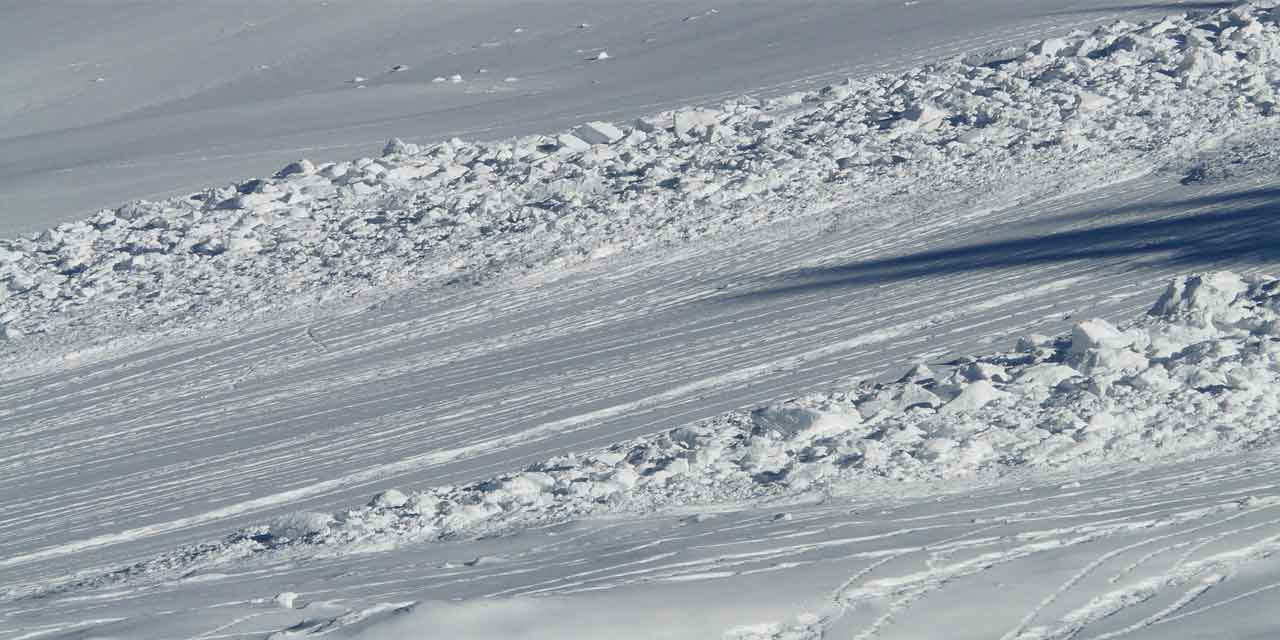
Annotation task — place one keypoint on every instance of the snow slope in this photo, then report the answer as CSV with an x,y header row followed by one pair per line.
x,y
1060,116
154,98
119,452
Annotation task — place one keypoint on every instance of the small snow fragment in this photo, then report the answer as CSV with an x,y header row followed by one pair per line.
x,y
783,419
918,373
455,78
484,561
389,499
1201,295
570,142
511,79
302,167
584,25
1089,101
396,146
1050,47
693,123
598,133
1095,334
974,397
1046,375
923,116
603,55
984,371
357,79
244,245
285,599
295,526
1032,341
438,79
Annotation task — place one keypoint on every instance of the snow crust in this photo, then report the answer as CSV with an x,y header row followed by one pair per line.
x,y
1193,377
1055,116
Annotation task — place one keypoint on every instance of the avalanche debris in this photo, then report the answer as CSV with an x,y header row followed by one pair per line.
x,y
1062,114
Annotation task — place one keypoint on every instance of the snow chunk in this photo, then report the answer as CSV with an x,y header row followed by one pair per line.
x,y
396,146
1088,101
302,167
299,525
786,420
974,396
1200,297
692,123
1050,47
599,133
1097,334
389,499
923,116
571,143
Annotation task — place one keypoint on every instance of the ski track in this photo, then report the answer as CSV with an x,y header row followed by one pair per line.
x,y
392,381
911,560
432,383
119,459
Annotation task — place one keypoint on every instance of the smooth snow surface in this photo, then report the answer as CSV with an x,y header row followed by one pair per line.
x,y
161,97
980,349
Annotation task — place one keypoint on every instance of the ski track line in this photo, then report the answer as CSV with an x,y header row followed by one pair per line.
x,y
537,433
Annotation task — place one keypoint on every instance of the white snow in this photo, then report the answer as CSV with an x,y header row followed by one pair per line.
x,y
156,97
1195,387
472,210
589,382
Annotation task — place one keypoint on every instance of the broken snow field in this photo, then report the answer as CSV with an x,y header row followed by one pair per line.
x,y
951,352
162,97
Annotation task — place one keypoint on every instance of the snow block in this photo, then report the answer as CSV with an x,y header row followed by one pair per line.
x,y
571,143
598,133
390,498
1050,47
1204,295
301,167
693,123
975,396
1097,334
1088,101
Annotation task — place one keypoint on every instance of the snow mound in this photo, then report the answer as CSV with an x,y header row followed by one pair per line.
x,y
1196,376
1063,114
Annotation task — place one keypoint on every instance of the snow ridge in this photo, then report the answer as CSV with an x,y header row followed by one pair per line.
x,y
1191,378
1063,114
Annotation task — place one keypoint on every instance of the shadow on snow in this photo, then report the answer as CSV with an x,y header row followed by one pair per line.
x,y
1238,229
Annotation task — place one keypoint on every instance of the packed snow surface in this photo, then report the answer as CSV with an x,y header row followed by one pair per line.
x,y
1196,376
590,382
